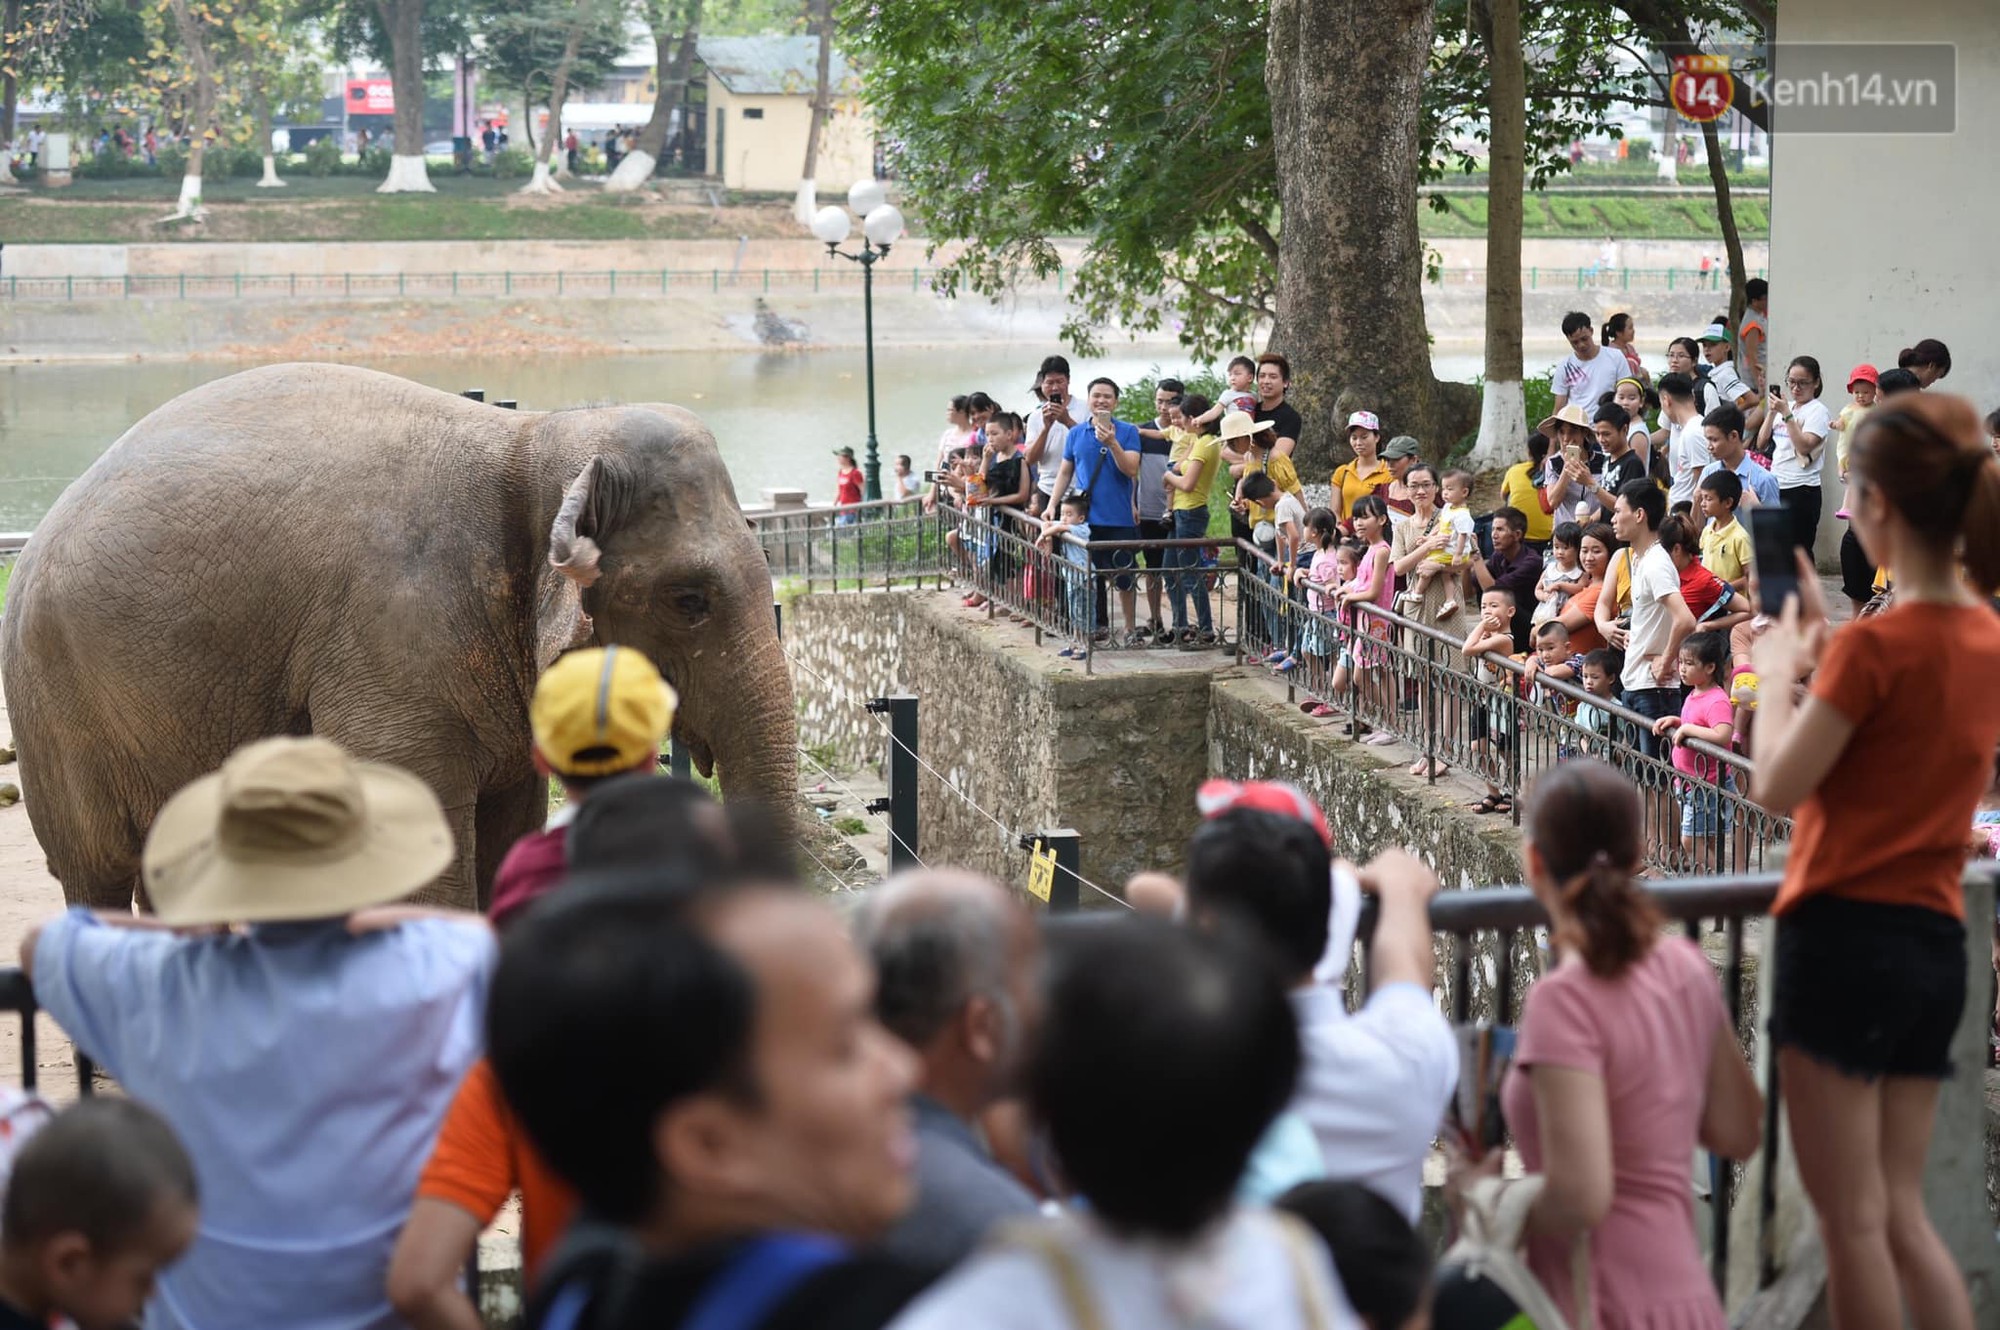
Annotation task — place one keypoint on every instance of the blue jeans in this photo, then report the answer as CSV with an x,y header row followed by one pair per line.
x,y
1189,524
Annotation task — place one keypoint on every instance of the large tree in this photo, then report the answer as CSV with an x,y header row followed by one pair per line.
x,y
539,50
676,26
405,36
1346,81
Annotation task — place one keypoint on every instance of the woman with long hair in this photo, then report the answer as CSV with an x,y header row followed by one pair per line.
x,y
1410,544
1627,1064
1618,334
1579,615
1929,360
1882,767
1794,432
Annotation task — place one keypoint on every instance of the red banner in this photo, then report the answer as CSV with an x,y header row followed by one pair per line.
x,y
371,97
1700,86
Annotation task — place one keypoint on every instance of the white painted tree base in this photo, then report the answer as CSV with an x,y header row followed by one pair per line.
x,y
807,203
190,204
7,170
634,170
407,175
541,182
1503,429
270,180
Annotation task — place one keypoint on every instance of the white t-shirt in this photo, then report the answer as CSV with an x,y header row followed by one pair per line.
x,y
1584,381
1052,452
1812,418
1654,578
1727,384
1249,1272
1374,1085
1687,454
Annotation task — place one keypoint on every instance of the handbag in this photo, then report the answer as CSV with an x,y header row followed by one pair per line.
x,y
1484,1283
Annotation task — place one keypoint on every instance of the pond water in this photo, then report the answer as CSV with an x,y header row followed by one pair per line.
x,y
776,417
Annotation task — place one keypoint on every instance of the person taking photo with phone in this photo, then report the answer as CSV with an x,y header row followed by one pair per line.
x,y
1794,434
1881,768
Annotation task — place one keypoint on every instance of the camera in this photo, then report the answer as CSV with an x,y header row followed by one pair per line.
x,y
930,477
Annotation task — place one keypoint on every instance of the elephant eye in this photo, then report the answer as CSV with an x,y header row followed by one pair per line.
x,y
693,604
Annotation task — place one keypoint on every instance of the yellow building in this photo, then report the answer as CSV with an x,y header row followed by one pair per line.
x,y
760,94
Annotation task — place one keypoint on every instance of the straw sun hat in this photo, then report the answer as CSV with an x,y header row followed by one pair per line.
x,y
1571,414
293,829
1241,425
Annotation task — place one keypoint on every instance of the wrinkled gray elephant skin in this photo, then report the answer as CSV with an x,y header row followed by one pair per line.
x,y
318,549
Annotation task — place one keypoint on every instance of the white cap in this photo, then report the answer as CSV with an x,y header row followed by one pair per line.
x,y
1364,420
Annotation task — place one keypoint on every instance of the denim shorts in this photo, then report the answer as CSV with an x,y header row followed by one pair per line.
x,y
1869,989
1703,812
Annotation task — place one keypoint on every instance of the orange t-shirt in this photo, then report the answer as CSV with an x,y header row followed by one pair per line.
x,y
483,1156
1586,639
1888,822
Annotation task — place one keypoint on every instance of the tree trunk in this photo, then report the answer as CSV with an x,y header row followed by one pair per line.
x,y
670,79
408,173
543,182
1670,147
270,180
1725,216
820,19
1503,421
201,111
528,118
10,90
1345,79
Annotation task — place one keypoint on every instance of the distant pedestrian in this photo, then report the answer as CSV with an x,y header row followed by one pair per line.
x,y
571,148
613,150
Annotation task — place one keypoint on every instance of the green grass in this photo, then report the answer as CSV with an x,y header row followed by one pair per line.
x,y
1626,216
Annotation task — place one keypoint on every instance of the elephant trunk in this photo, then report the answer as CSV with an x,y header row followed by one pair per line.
x,y
754,741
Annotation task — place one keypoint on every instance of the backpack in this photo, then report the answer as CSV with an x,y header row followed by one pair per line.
x,y
1484,1284
590,1283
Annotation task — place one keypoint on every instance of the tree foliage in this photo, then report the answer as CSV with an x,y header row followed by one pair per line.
x,y
522,41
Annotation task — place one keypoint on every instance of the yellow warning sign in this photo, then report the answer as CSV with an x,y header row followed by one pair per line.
x,y
1041,872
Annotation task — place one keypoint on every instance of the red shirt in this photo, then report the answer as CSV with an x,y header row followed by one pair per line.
x,y
1699,588
847,485
534,866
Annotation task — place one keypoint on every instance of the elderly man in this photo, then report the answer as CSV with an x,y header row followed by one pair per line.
x,y
956,963
307,1060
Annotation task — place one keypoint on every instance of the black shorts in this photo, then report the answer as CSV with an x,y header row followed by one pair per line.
x,y
1151,529
1871,990
1114,559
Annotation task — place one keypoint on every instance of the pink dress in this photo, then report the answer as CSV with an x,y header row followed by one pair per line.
x,y
1649,1034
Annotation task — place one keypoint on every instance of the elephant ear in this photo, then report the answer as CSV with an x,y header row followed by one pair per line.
x,y
590,510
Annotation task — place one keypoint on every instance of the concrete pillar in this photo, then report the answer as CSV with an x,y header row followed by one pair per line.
x,y
1879,240
781,499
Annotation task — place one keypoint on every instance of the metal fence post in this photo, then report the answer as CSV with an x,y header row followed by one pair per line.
x,y
677,762
508,404
1065,893
901,805
474,394
778,617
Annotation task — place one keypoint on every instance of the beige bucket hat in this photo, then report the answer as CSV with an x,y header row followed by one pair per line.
x,y
1241,425
1571,414
293,829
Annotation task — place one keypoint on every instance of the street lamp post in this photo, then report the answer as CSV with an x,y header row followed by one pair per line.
x,y
881,224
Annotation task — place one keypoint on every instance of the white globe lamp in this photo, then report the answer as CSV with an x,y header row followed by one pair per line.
x,y
832,224
883,224
865,196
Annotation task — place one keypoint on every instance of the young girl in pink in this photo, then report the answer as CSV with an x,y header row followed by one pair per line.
x,y
1374,584
1326,574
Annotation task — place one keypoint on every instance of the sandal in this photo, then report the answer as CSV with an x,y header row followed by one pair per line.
x,y
1322,711
1492,803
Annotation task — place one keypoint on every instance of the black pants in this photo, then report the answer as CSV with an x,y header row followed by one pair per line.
x,y
1857,570
1803,503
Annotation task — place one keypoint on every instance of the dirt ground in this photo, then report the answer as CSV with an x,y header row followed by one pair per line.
x,y
28,895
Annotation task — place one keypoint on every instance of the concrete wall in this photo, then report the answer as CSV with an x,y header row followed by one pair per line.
x,y
1117,756
1878,241
768,153
1019,732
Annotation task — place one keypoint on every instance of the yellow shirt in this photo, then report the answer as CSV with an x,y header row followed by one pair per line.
x,y
1725,551
1351,484
1192,450
1519,487
1283,474
1851,417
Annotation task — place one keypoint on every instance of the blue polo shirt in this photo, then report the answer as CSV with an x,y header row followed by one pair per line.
x,y
1095,470
1754,477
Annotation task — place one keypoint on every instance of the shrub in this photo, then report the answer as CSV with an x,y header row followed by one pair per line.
x,y
1627,215
1470,207
1751,217
512,164
1698,216
322,157
111,165
1574,215
372,162
241,161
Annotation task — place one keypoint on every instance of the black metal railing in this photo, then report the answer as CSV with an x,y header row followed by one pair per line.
x,y
17,995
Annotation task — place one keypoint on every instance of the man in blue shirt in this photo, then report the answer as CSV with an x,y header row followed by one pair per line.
x,y
1724,430
1101,455
306,1061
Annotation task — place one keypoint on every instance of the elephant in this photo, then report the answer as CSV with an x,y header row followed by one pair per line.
x,y
321,549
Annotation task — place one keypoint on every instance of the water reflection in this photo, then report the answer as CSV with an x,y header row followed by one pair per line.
x,y
776,417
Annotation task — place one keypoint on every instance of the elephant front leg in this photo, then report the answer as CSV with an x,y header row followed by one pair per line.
x,y
456,887
502,817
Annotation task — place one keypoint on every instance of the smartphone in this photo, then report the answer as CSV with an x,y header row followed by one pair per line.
x,y
1574,452
1101,417
1772,551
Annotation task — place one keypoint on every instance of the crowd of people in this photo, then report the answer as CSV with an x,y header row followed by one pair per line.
x,y
726,1101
